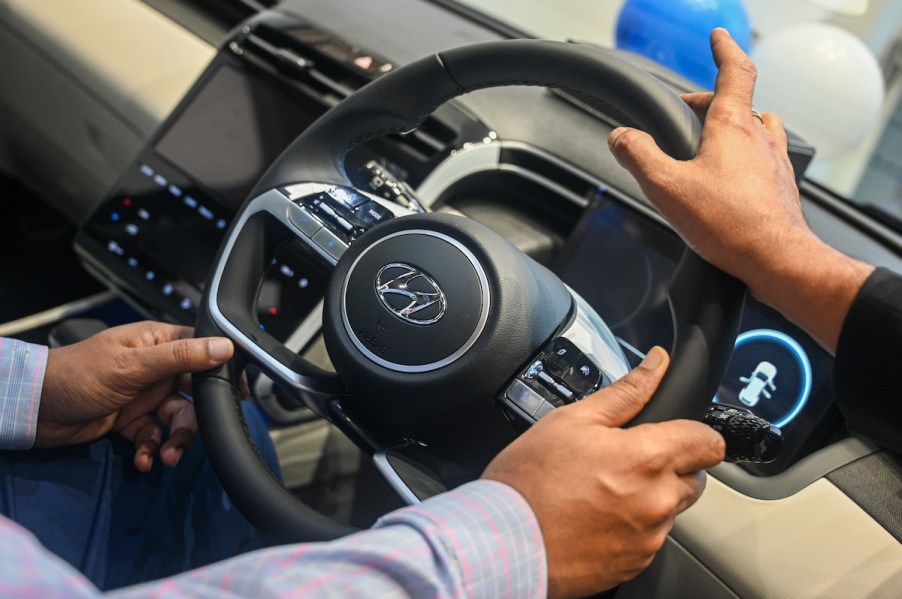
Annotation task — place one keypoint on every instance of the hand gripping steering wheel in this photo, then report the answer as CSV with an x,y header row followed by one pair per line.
x,y
440,330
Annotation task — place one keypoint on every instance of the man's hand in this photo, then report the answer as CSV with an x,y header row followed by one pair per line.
x,y
127,379
605,497
737,204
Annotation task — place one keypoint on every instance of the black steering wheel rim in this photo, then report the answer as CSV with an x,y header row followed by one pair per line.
x,y
706,303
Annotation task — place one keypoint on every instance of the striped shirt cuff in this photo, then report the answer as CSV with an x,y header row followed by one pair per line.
x,y
22,368
479,541
490,532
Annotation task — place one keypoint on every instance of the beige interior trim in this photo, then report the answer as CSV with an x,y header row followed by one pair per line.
x,y
816,543
140,61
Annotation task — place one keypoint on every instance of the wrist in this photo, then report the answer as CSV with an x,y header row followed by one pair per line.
x,y
811,283
57,413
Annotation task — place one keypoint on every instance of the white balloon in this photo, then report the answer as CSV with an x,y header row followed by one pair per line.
x,y
770,16
823,81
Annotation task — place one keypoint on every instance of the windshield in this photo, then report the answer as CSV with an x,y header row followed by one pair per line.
x,y
830,68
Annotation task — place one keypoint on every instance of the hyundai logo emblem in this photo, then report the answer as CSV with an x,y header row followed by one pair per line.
x,y
408,293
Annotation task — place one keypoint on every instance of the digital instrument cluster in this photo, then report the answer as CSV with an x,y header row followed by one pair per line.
x,y
621,262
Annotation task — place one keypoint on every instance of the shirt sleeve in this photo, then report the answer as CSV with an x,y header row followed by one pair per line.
x,y
478,541
22,368
868,368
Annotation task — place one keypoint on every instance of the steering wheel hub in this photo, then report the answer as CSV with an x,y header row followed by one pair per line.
x,y
415,300
418,319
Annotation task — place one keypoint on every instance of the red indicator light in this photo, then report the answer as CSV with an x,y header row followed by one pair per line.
x,y
127,202
273,311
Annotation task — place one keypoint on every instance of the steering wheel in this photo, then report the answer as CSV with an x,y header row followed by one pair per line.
x,y
444,336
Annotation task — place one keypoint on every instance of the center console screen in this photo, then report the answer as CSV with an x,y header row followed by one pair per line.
x,y
232,130
621,262
158,231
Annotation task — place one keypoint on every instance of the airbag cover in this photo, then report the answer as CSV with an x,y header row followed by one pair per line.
x,y
415,301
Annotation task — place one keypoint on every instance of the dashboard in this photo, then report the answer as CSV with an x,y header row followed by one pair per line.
x,y
156,234
534,167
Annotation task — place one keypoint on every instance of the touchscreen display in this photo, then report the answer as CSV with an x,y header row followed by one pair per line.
x,y
160,229
621,262
232,131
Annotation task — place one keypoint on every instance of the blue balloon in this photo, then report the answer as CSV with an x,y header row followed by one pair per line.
x,y
675,33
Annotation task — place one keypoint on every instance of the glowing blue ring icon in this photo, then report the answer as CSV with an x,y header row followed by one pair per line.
x,y
801,358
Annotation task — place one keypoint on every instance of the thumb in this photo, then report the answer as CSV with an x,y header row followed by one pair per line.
x,y
172,358
620,402
638,153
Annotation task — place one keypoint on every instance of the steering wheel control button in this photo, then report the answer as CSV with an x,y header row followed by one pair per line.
x,y
343,224
564,392
415,300
346,198
344,211
583,376
324,208
546,379
524,398
572,367
561,355
369,215
551,384
383,183
304,221
543,409
330,243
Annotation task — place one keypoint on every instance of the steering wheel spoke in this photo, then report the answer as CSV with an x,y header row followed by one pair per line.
x,y
324,219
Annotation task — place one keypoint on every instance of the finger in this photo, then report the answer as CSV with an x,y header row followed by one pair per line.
x,y
619,403
243,388
736,74
683,446
179,416
637,152
777,130
177,412
147,436
699,102
184,384
173,358
151,332
176,445
692,486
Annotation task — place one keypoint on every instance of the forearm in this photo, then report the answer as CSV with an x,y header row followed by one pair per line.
x,y
481,540
866,372
810,283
